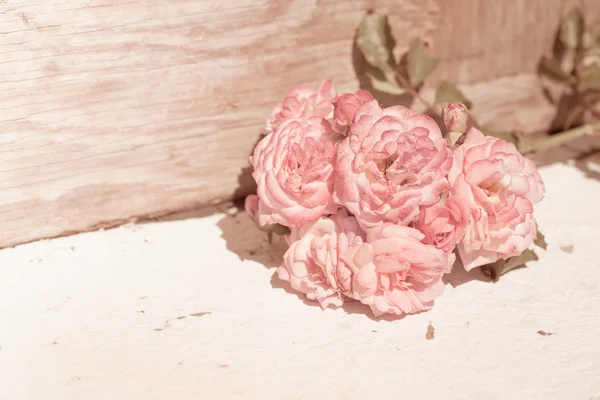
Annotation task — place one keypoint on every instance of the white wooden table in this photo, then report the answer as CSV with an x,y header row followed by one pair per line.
x,y
181,309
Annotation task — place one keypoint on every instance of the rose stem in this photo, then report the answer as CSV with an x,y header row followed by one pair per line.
x,y
527,145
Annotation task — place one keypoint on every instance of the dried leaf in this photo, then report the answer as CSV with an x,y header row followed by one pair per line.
x,y
495,270
420,62
386,84
430,334
571,29
544,333
200,314
375,41
589,78
551,68
568,249
540,240
449,92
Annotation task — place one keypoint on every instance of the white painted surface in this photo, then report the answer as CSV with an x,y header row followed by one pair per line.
x,y
72,326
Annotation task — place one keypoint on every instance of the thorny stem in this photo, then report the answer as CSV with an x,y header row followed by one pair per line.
x,y
410,89
528,145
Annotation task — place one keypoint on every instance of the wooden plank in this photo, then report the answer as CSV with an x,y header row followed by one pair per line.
x,y
113,110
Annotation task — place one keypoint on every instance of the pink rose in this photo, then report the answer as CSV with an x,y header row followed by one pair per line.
x,y
251,205
345,108
313,265
294,172
392,162
395,273
303,103
444,223
501,187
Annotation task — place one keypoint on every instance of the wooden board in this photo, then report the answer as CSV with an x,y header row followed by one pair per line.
x,y
116,110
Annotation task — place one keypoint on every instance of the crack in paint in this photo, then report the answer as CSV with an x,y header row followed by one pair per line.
x,y
168,325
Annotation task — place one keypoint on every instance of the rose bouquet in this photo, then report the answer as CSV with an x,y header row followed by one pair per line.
x,y
379,203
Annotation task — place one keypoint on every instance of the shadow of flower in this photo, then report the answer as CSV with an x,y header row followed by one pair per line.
x,y
458,276
350,306
583,153
243,238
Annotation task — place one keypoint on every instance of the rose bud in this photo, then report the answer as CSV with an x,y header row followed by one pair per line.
x,y
457,121
345,108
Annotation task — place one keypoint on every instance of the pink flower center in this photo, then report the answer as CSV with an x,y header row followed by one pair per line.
x,y
389,281
400,162
302,162
491,188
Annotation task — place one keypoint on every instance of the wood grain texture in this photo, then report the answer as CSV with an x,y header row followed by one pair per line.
x,y
115,110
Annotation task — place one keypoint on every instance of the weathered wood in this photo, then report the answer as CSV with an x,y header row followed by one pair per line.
x,y
115,110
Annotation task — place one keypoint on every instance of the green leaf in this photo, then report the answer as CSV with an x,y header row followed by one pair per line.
x,y
386,84
589,78
420,62
375,41
540,240
571,29
449,92
495,270
552,68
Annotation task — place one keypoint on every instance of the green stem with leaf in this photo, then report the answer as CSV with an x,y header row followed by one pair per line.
x,y
529,144
413,91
